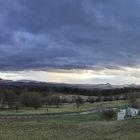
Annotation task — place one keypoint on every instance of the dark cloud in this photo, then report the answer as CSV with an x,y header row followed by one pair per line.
x,y
69,34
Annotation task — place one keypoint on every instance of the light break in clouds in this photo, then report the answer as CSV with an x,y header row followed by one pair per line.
x,y
74,41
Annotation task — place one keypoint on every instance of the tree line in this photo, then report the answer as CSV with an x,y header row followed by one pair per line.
x,y
69,90
13,100
15,97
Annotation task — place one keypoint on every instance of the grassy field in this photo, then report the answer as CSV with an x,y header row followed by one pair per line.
x,y
65,108
86,127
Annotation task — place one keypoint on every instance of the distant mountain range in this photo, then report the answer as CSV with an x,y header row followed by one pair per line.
x,y
5,81
84,86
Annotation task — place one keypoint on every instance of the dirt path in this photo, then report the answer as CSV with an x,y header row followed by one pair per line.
x,y
45,116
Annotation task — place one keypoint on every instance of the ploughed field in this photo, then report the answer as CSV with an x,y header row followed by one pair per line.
x,y
84,127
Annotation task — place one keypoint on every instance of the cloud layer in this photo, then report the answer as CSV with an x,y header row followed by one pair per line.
x,y
69,34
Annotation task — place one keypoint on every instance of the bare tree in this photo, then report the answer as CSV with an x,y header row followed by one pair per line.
x,y
32,99
53,100
79,101
133,99
2,97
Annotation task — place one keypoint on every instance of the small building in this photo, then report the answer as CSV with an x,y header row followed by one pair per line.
x,y
123,111
132,112
120,116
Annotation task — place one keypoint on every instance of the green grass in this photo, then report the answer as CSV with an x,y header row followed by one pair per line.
x,y
86,127
64,108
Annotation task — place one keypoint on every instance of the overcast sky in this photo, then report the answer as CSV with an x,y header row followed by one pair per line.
x,y
73,41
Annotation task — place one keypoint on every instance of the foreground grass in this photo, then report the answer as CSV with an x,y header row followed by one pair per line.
x,y
65,108
87,127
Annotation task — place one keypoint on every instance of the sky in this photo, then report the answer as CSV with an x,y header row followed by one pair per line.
x,y
70,41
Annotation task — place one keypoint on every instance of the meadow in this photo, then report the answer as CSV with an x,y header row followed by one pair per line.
x,y
65,108
85,127
80,127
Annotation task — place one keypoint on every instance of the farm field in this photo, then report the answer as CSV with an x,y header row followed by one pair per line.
x,y
67,107
85,127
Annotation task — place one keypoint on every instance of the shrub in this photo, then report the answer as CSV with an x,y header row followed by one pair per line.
x,y
108,114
